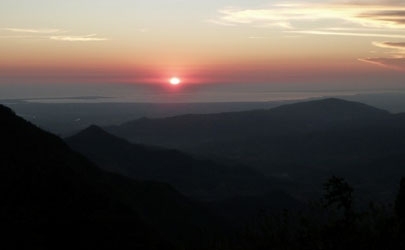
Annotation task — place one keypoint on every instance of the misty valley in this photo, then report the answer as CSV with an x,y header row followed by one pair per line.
x,y
316,174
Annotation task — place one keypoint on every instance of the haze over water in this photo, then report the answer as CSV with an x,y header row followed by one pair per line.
x,y
153,94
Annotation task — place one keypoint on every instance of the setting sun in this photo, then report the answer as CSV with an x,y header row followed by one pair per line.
x,y
175,81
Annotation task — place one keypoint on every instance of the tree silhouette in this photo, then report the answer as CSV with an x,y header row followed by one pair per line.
x,y
400,201
338,193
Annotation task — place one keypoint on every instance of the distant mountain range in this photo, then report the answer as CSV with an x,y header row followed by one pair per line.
x,y
302,142
67,117
221,187
189,130
198,178
276,135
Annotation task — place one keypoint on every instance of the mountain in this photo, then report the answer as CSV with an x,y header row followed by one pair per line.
x,y
188,130
197,178
68,115
53,198
259,134
327,111
302,143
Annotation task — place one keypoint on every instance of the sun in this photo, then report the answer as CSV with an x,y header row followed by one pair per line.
x,y
175,81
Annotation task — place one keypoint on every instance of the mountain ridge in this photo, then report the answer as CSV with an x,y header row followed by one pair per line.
x,y
51,194
181,170
190,131
301,141
323,104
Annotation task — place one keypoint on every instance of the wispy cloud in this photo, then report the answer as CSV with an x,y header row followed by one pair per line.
x,y
337,16
396,60
341,33
50,34
15,37
87,38
392,62
388,16
400,46
33,31
354,18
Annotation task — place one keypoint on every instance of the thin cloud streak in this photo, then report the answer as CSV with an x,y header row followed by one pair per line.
x,y
322,32
396,61
88,38
393,63
390,45
368,16
16,37
33,31
53,34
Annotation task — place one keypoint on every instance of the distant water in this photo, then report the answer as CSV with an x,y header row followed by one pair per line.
x,y
81,93
197,97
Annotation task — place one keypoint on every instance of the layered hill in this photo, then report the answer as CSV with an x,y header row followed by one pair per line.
x,y
302,143
309,131
197,178
53,198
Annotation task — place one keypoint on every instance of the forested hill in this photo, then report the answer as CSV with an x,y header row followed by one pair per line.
x,y
53,198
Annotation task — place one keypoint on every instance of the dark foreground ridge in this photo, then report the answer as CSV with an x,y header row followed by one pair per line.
x,y
53,198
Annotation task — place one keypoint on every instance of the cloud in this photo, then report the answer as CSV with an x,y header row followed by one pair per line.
x,y
15,37
87,38
363,18
33,31
52,34
397,63
390,45
390,16
341,33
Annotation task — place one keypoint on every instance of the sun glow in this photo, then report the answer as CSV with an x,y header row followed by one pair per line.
x,y
174,81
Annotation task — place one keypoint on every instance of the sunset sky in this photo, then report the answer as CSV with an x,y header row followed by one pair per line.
x,y
317,45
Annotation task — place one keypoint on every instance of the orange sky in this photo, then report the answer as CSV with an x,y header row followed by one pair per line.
x,y
209,42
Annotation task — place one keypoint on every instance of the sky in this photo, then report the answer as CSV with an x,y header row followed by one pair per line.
x,y
59,47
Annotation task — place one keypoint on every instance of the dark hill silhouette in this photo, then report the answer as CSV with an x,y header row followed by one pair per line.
x,y
196,178
190,130
332,109
263,134
52,197
302,142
